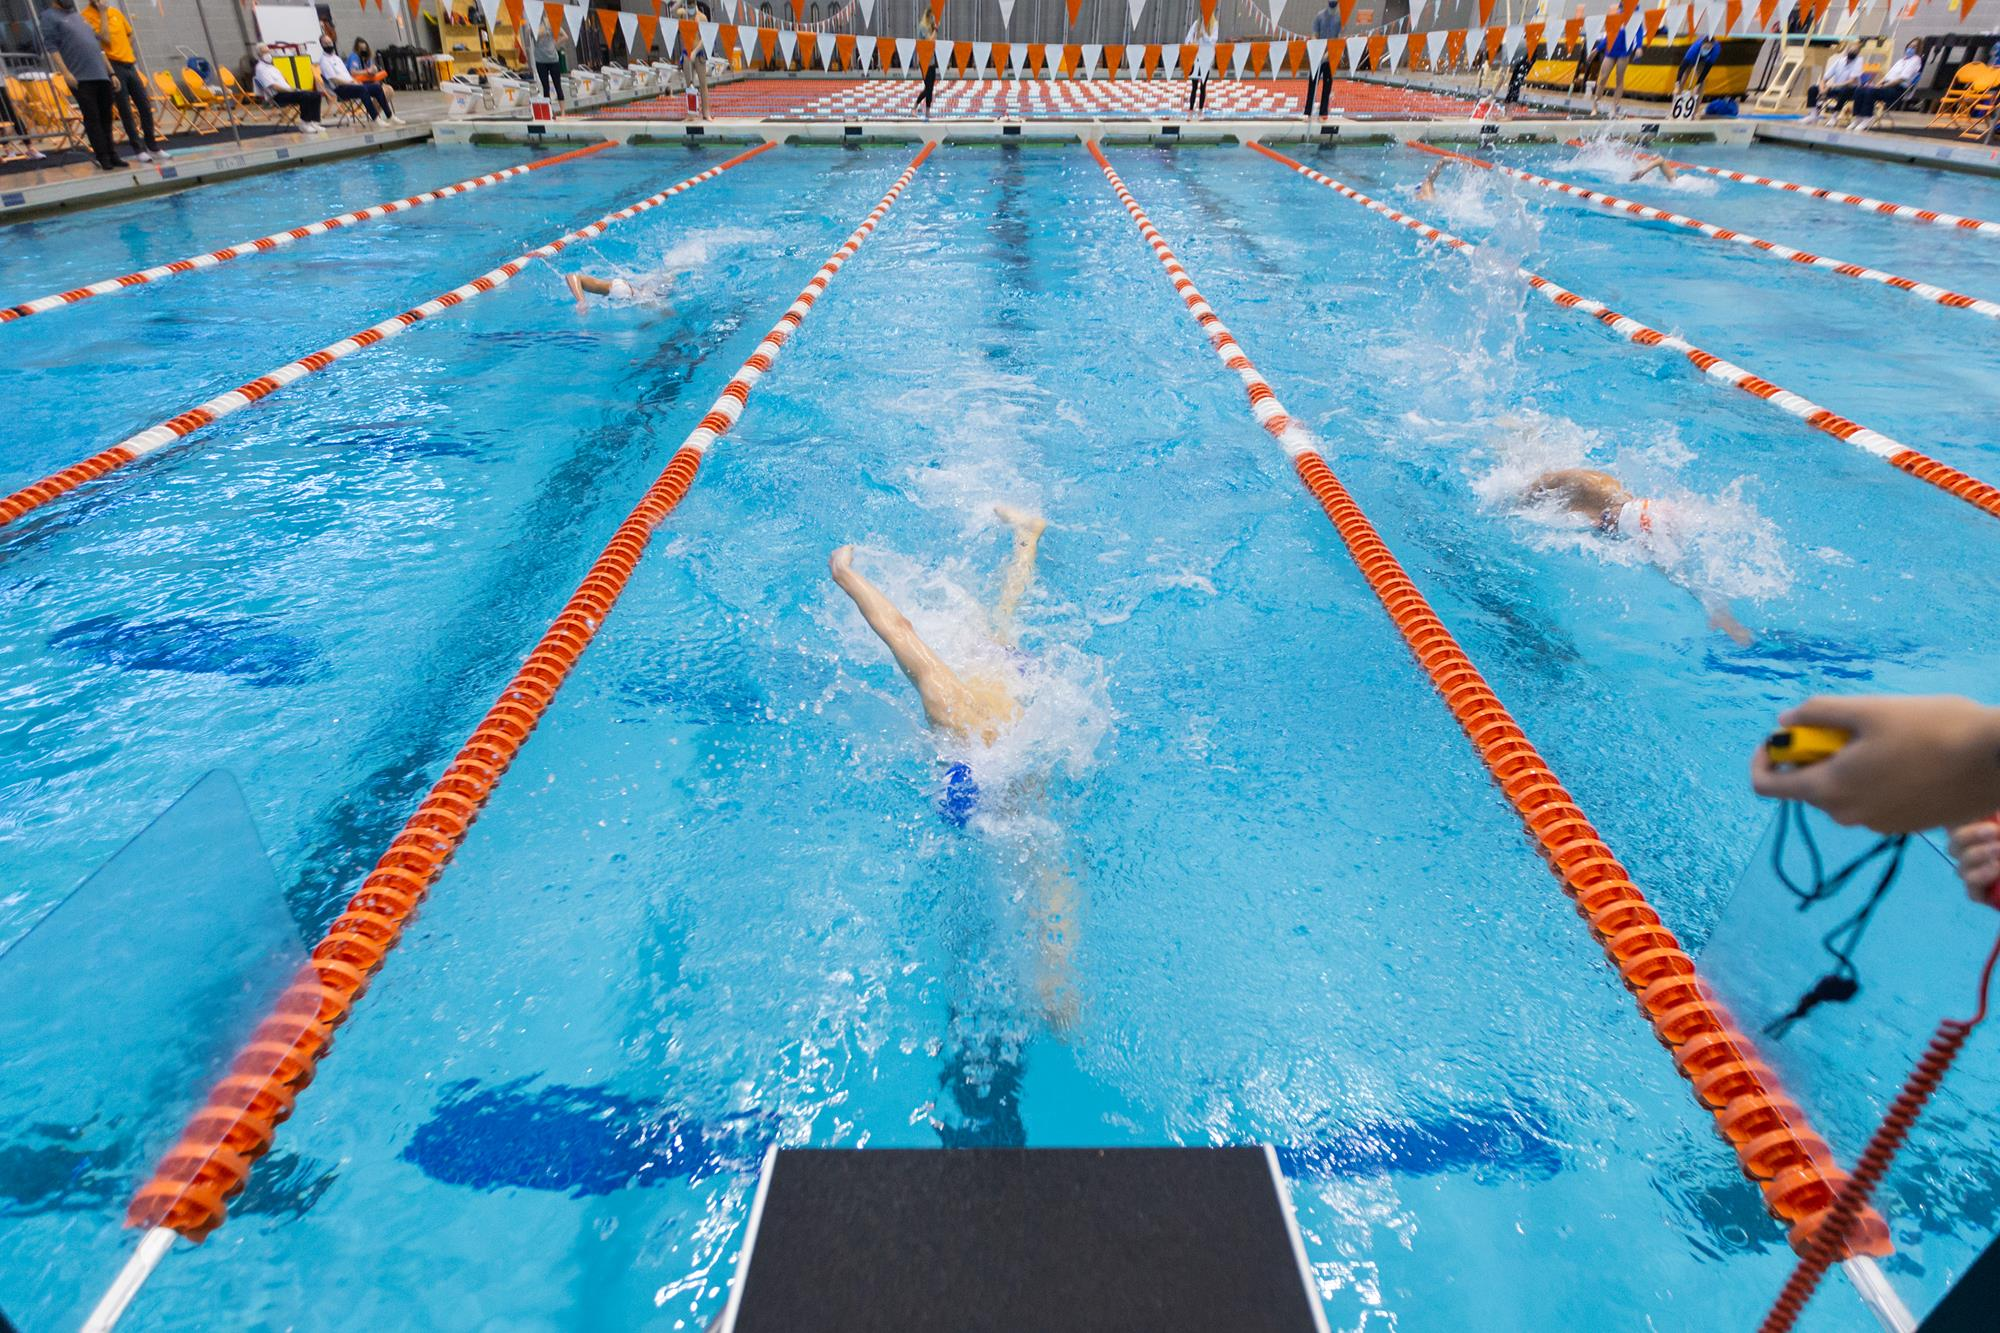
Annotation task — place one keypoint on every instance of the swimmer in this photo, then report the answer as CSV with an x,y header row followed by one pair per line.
x,y
583,285
979,707
1659,164
1427,187
1616,512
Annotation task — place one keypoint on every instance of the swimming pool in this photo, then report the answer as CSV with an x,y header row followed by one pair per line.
x,y
714,906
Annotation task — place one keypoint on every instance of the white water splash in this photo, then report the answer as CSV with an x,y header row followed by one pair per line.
x,y
1616,161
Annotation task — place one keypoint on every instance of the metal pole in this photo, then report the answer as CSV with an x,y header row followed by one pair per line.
x,y
215,61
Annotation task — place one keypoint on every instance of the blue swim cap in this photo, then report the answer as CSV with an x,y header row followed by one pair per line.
x,y
960,796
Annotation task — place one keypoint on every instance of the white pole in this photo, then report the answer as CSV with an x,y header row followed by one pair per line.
x,y
138,1268
1878,1295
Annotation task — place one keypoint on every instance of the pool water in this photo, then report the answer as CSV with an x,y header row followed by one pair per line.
x,y
714,906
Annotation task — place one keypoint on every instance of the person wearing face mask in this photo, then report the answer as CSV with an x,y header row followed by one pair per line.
x,y
1870,102
333,73
271,86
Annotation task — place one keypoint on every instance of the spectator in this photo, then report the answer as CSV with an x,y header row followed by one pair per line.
x,y
1837,84
1326,28
1702,53
1870,102
271,86
332,71
927,32
548,61
1909,764
694,65
77,57
114,33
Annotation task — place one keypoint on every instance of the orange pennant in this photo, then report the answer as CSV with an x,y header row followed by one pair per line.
x,y
1346,12
843,47
1573,31
1485,12
1223,51
885,52
937,12
767,42
1495,39
808,48
1653,19
649,28
1378,46
1295,56
1187,60
513,8
607,19
1207,14
798,11
1071,57
1038,57
690,33
552,17
1076,7
1731,14
926,53
1114,60
1001,51
1765,8
1533,32
1152,61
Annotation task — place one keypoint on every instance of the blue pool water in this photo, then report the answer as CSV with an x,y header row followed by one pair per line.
x,y
714,906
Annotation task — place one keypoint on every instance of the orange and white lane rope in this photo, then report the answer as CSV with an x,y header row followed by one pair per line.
x,y
1943,296
1898,455
1907,212
278,238
1790,1163
157,437
190,1190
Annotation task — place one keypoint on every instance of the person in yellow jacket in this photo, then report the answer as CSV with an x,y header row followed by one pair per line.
x,y
128,89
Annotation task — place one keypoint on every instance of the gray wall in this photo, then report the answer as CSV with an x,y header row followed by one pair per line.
x,y
231,24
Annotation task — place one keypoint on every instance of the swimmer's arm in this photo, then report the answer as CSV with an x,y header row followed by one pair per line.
x,y
1722,618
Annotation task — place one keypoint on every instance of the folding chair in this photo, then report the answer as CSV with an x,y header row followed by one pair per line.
x,y
1960,93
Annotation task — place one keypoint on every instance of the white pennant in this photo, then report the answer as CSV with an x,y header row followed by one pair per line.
x,y
1091,55
1135,59
1434,43
707,32
1135,8
982,52
1355,47
788,44
1593,31
1241,56
573,15
1416,15
629,25
867,11
1006,16
531,17
1017,56
1517,36
1396,45
1315,53
906,51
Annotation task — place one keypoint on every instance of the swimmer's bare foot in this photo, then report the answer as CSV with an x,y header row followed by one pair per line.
x,y
1023,522
574,281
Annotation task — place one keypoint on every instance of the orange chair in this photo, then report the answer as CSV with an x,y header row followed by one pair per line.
x,y
191,117
45,115
1964,87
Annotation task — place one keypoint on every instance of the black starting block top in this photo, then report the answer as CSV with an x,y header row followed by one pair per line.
x,y
1057,1240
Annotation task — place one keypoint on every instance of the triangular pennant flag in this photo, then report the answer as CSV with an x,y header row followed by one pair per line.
x,y
1354,45
1532,35
533,16
1416,15
1038,56
906,51
690,33
1654,17
1593,28
1434,44
1207,14
1006,13
982,55
629,25
1076,7
1241,53
767,42
607,19
1184,57
1347,12
1017,57
1496,39
1485,12
649,31
961,56
885,52
1067,61
1002,52
573,20
705,34
1394,48
1090,55
1135,60
1114,58
1510,44
843,50
1315,53
867,11
798,11
788,42
937,11
808,47
864,55
1731,12
1154,52
1378,51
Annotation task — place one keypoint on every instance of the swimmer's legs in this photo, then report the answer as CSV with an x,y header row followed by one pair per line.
x,y
942,691
1055,982
1020,569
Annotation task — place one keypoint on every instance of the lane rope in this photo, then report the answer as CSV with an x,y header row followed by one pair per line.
x,y
1777,1148
157,437
1611,203
1907,212
191,1187
264,244
1898,455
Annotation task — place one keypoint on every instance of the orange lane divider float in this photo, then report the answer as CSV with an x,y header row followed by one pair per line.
x,y
1907,212
1893,452
1790,1163
1943,296
278,238
191,1188
157,437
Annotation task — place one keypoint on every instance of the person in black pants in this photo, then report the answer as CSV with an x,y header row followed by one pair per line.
x,y
74,51
121,50
929,91
1198,91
